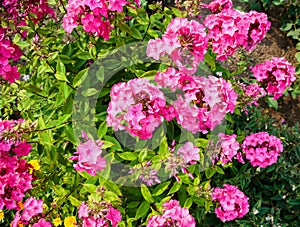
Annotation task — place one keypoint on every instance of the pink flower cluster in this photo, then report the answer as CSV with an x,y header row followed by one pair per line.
x,y
262,149
89,158
233,203
228,149
32,207
173,215
185,156
102,215
15,179
231,29
93,15
205,102
147,174
218,6
139,107
275,75
184,41
252,93
17,12
9,53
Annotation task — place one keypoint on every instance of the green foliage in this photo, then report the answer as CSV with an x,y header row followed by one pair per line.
x,y
68,92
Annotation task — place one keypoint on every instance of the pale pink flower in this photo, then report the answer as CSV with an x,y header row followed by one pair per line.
x,y
184,41
139,107
89,157
32,207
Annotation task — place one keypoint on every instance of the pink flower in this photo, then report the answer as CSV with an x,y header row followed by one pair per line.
x,y
137,106
217,6
69,23
233,203
181,159
32,207
228,149
104,215
204,103
231,29
89,157
275,75
117,5
114,216
42,223
262,149
83,211
189,152
172,215
184,41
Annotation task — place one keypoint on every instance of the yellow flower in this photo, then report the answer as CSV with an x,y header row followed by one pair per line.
x,y
35,165
70,221
1,215
57,222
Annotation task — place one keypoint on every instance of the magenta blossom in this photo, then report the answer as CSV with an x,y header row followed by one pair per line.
x,y
172,215
103,214
42,223
218,6
275,75
262,149
233,203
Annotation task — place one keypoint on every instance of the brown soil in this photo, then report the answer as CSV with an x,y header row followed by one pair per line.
x,y
277,44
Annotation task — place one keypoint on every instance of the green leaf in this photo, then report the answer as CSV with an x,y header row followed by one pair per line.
x,y
100,74
143,154
89,92
61,76
59,190
124,27
210,60
80,77
128,156
75,202
146,193
111,186
142,210
91,188
200,142
176,186
286,26
84,55
161,188
272,103
297,56
220,170
188,202
136,34
149,74
210,172
60,67
102,129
